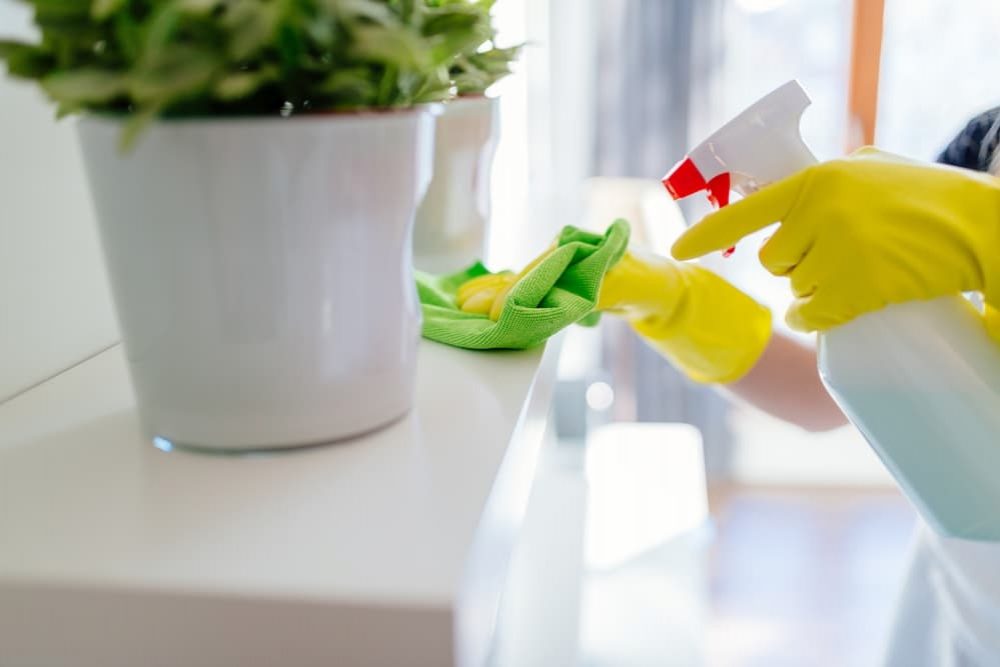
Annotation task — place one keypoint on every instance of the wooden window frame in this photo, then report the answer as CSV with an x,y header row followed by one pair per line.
x,y
863,81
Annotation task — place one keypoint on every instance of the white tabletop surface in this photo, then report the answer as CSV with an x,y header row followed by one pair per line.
x,y
398,520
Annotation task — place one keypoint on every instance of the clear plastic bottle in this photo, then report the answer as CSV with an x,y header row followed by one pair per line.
x,y
920,380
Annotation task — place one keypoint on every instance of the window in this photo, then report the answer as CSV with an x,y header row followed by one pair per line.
x,y
940,66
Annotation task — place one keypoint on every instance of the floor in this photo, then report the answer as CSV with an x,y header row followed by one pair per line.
x,y
779,576
804,577
785,577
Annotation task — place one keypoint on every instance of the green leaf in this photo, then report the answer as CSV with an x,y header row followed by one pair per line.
x,y
26,61
104,9
322,32
240,84
175,74
135,125
291,47
353,85
409,9
393,46
64,109
251,27
377,12
10,47
387,87
53,10
473,74
85,86
127,36
199,7
427,88
160,30
471,81
458,21
455,33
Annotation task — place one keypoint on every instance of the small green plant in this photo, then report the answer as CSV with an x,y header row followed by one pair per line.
x,y
481,65
474,72
152,58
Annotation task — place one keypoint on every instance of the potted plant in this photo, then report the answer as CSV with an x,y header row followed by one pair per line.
x,y
453,219
257,225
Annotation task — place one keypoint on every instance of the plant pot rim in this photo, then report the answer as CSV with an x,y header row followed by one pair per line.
x,y
480,98
359,115
467,104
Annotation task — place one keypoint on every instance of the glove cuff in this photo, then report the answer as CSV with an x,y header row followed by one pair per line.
x,y
716,333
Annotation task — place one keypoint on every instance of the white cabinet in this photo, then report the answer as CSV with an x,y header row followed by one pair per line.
x,y
391,549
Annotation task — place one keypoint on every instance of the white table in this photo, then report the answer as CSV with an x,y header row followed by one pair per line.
x,y
391,549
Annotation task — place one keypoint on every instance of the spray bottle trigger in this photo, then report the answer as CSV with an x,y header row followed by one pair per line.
x,y
718,190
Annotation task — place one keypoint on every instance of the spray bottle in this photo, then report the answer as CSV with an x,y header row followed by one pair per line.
x,y
920,380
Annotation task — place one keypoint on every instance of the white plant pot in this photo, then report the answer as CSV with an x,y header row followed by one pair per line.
x,y
261,272
453,218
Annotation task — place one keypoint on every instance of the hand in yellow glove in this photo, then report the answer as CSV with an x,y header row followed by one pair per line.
x,y
698,321
865,231
487,294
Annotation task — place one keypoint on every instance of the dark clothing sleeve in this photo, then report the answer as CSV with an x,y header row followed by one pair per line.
x,y
974,146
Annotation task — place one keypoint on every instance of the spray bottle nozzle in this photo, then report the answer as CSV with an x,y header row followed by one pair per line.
x,y
685,179
757,147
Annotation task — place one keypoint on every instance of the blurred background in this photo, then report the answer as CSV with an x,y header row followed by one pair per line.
x,y
670,525
798,558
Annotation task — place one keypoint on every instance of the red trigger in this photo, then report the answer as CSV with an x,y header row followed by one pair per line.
x,y
718,190
718,194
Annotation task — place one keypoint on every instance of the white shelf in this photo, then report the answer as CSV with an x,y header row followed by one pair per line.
x,y
391,549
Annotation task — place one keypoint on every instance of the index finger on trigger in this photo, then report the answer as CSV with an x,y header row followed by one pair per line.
x,y
724,228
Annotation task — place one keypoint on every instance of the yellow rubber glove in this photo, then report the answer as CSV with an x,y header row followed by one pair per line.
x,y
703,325
487,294
865,231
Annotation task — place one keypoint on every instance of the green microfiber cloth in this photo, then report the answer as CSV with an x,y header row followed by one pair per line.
x,y
560,291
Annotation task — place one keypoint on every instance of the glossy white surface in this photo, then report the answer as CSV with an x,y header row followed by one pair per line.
x,y
451,228
386,550
55,308
261,272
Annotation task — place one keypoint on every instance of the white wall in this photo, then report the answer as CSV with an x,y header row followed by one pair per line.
x,y
55,309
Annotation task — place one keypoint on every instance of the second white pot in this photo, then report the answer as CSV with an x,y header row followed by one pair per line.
x,y
262,272
453,218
